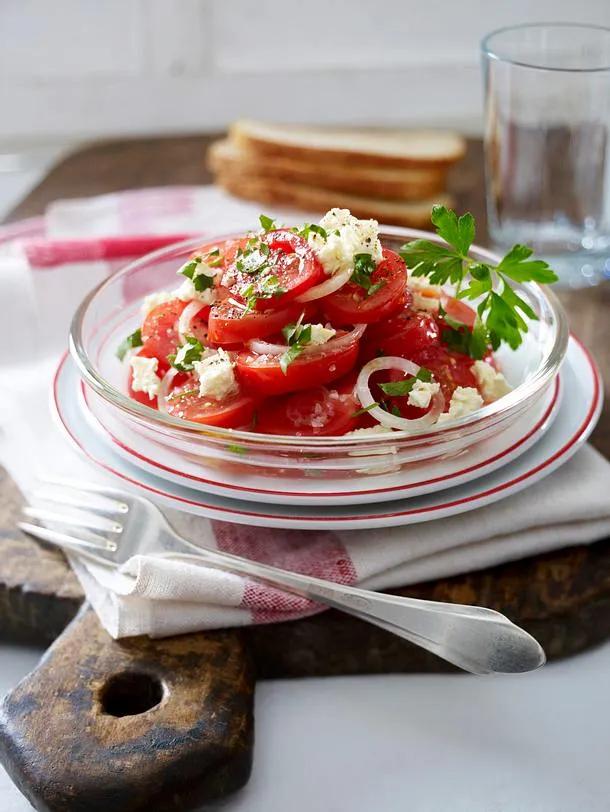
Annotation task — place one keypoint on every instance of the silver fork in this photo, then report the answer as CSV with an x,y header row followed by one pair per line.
x,y
108,526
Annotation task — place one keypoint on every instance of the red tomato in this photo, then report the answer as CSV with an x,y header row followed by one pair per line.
x,y
451,369
199,325
263,375
314,412
232,412
228,324
159,331
291,261
406,335
351,304
458,310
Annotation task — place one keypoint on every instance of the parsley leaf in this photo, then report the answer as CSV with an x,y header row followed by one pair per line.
x,y
364,265
267,223
312,228
186,356
297,336
457,336
192,270
403,387
365,409
501,310
131,342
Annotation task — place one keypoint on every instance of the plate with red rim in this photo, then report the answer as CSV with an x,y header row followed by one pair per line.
x,y
235,481
576,418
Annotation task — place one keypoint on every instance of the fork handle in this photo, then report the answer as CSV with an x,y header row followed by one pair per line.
x,y
474,638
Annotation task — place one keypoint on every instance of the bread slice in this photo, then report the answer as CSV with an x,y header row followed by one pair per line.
x,y
370,181
251,186
343,147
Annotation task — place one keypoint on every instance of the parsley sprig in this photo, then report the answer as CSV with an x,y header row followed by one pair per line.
x,y
501,312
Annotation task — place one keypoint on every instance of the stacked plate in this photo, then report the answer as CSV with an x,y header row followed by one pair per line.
x,y
381,493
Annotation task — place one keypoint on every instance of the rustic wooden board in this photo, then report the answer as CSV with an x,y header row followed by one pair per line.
x,y
562,598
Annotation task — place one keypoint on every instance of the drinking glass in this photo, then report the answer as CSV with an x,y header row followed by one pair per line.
x,y
547,144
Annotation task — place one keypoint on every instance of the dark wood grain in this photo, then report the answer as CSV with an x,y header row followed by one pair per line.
x,y
58,717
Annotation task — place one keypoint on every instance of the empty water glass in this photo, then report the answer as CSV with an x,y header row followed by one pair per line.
x,y
547,144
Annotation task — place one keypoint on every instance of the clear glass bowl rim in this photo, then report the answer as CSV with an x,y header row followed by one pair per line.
x,y
544,374
489,51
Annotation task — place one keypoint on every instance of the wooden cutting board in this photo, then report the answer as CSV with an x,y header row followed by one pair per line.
x,y
135,724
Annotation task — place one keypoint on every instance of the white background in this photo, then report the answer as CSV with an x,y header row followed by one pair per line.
x,y
85,68
82,68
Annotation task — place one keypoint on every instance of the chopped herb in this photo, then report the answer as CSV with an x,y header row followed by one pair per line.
x,y
187,355
131,342
501,310
364,410
237,449
297,336
267,223
201,281
364,265
312,228
400,388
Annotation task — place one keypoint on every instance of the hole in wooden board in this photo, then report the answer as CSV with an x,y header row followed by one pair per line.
x,y
131,693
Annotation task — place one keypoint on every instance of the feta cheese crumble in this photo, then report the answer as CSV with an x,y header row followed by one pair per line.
x,y
321,334
426,297
145,378
492,383
346,237
216,376
465,400
422,392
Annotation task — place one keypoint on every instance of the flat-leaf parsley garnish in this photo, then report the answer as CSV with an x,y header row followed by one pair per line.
x,y
189,352
194,271
404,387
501,311
130,343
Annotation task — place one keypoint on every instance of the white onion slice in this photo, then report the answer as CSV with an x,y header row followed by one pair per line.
x,y
366,399
265,348
187,315
327,287
166,382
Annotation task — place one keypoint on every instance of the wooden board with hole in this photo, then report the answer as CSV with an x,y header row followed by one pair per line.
x,y
167,724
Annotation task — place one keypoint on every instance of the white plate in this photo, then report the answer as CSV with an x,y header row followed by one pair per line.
x,y
413,480
575,420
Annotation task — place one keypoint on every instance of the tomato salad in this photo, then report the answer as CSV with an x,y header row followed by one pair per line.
x,y
309,331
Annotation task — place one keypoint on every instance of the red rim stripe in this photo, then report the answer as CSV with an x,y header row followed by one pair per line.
x,y
155,464
374,517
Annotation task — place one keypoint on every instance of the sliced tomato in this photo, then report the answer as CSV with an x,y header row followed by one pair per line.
x,y
230,325
291,262
407,335
352,305
451,369
232,412
262,374
199,325
160,331
310,413
457,310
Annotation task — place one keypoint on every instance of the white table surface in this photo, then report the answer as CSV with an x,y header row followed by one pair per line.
x,y
535,743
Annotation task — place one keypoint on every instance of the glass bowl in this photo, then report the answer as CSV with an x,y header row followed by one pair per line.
x,y
113,310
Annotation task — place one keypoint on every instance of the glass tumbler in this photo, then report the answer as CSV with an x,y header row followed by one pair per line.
x,y
547,145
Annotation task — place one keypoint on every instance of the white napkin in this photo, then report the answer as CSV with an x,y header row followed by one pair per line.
x,y
160,596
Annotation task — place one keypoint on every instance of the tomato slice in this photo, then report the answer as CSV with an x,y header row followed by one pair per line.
x,y
290,261
232,412
159,330
451,369
311,413
229,324
406,335
262,374
351,304
458,310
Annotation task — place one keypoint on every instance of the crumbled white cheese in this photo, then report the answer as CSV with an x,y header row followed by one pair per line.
x,y
422,392
154,299
378,429
321,334
145,378
187,293
347,236
465,400
216,376
492,383
425,296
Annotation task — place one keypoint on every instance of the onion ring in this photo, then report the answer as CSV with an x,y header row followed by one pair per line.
x,y
327,287
187,315
265,348
166,382
367,401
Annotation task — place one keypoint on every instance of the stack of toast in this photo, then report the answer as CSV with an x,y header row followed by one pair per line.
x,y
394,176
